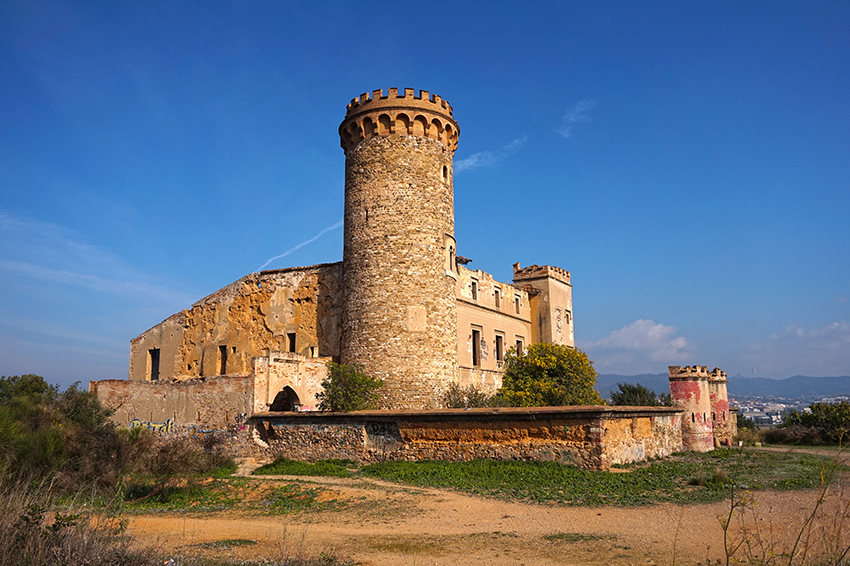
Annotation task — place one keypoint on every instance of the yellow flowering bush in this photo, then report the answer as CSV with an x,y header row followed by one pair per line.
x,y
549,375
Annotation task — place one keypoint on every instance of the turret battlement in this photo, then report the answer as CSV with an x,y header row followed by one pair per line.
x,y
540,271
377,114
696,372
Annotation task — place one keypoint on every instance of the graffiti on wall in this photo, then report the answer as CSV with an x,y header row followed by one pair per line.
x,y
157,428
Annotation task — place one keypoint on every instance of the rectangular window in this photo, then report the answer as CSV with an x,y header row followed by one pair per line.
x,y
222,359
291,338
474,290
153,364
516,304
476,347
500,347
519,345
497,298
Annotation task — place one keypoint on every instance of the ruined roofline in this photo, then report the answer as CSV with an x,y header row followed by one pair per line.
x,y
179,316
291,269
541,272
487,273
695,373
231,287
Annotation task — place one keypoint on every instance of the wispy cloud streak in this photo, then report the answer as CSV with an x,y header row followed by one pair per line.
x,y
321,233
580,112
487,158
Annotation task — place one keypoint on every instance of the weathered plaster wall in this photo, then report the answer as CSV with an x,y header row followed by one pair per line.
x,y
213,403
479,310
551,303
590,437
279,370
249,318
689,391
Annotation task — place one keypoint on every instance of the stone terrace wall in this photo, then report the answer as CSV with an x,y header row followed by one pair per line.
x,y
589,437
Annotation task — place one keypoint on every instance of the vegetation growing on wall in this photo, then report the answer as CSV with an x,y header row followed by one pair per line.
x,y
549,375
347,388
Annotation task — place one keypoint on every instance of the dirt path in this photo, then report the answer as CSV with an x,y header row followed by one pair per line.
x,y
381,523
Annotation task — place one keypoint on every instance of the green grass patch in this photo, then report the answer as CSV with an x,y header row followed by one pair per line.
x,y
294,499
286,467
192,497
683,478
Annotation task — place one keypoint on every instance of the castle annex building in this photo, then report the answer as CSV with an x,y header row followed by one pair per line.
x,y
401,302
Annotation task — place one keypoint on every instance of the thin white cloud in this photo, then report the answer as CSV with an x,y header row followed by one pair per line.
x,y
580,112
487,158
48,252
796,350
643,346
321,233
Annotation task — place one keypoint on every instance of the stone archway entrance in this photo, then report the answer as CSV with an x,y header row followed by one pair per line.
x,y
285,400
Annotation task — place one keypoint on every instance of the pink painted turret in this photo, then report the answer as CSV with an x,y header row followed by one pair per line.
x,y
689,388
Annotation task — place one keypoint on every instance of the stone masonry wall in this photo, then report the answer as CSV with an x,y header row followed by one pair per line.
x,y
399,316
589,437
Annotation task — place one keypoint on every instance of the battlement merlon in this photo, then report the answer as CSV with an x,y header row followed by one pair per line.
x,y
539,272
681,373
375,114
376,99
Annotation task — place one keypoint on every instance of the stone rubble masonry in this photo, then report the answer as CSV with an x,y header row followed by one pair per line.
x,y
399,316
592,437
248,318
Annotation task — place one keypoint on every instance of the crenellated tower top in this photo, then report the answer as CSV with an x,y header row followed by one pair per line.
x,y
378,114
695,373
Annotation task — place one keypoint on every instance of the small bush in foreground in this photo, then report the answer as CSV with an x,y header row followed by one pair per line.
x,y
469,397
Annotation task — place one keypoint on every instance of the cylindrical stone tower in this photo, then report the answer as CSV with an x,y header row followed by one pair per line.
x,y
399,315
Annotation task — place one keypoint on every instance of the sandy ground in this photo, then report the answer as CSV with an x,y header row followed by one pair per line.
x,y
386,524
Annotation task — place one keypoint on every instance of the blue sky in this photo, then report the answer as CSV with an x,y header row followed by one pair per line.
x,y
688,162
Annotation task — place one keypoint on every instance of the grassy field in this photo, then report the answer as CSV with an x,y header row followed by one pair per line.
x,y
683,478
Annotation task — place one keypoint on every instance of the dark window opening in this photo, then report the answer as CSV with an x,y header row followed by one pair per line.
x,y
476,347
445,173
500,344
222,358
475,290
291,338
693,417
567,315
285,400
516,304
153,363
519,346
497,298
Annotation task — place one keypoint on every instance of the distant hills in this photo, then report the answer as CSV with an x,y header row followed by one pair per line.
x,y
799,387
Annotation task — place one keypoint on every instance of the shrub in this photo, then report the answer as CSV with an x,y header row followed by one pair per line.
x,y
347,388
457,397
640,396
793,435
549,375
832,419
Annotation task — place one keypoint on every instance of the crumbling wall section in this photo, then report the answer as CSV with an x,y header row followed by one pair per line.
x,y
207,404
588,437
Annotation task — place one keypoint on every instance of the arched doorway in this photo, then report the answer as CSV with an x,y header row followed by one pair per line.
x,y
285,400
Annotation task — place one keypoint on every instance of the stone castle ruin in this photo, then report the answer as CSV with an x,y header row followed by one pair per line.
x,y
402,303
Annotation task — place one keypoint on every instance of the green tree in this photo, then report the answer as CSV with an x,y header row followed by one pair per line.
x,y
639,396
833,419
469,397
347,388
549,375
